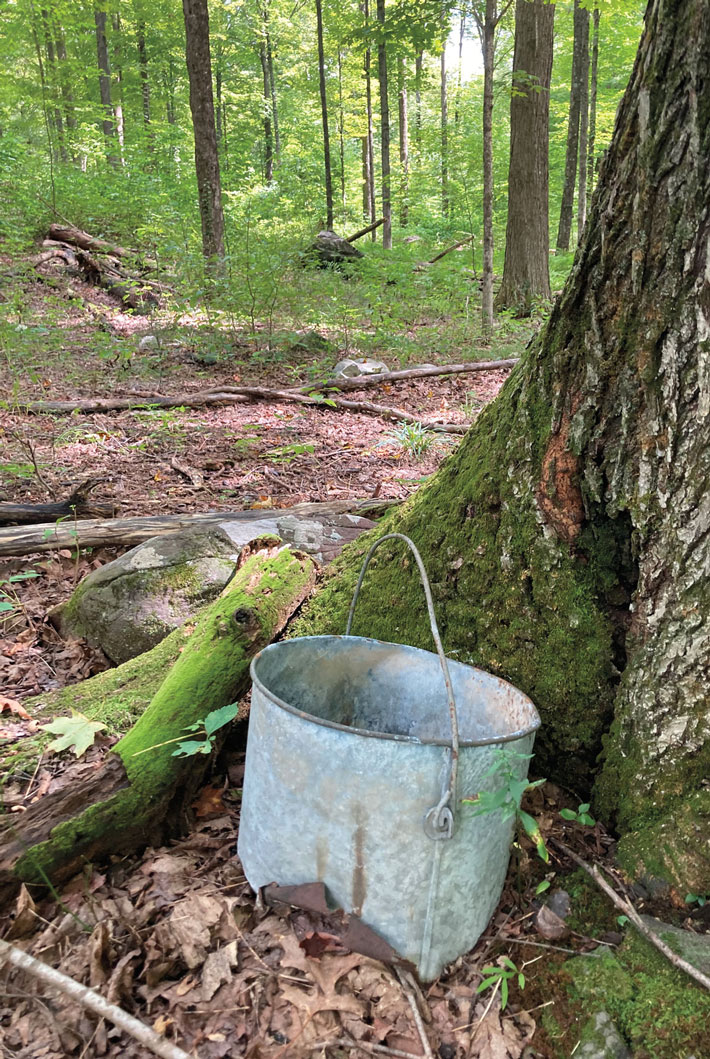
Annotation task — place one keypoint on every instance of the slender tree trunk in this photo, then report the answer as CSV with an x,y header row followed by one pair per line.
x,y
272,88
459,69
64,77
109,121
143,67
341,133
583,124
591,160
369,193
444,126
52,83
118,68
418,66
487,31
324,117
266,111
564,230
209,186
169,83
384,131
403,143
567,538
526,275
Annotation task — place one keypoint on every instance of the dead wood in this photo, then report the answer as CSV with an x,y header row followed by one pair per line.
x,y
364,231
78,505
443,253
140,793
361,381
129,531
121,404
67,233
131,290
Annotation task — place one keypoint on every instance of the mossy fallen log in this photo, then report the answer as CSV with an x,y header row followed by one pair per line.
x,y
140,792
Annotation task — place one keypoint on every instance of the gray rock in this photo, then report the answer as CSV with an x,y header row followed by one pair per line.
x,y
413,239
695,948
351,367
330,249
147,342
129,605
601,1040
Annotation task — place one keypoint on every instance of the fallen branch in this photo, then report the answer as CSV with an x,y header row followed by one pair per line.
x,y
93,533
67,233
462,242
122,404
628,910
78,505
365,231
361,381
91,1000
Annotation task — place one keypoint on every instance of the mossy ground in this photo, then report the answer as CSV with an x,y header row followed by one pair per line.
x,y
656,1008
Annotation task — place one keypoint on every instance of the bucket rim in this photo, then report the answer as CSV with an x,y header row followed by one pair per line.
x,y
392,737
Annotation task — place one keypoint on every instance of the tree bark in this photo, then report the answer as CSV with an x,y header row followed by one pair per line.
x,y
369,193
109,122
567,538
591,159
403,144
118,68
487,29
341,135
64,77
272,83
142,792
583,124
526,274
459,70
324,119
384,130
53,84
564,230
209,186
418,66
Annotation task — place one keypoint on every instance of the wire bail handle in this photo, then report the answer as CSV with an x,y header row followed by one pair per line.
x,y
439,821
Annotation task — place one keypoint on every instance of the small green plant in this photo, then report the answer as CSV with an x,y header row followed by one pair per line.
x,y
204,733
507,796
499,977
581,816
287,453
695,899
8,598
414,438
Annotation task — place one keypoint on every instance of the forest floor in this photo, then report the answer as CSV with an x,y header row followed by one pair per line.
x,y
174,936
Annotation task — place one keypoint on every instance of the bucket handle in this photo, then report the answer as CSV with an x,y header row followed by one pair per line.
x,y
439,821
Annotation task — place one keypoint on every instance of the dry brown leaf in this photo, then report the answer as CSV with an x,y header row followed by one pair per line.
x,y
549,925
497,1037
13,706
100,953
217,969
25,921
312,1003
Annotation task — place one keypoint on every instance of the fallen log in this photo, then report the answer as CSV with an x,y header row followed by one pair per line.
x,y
364,231
359,382
131,291
78,505
140,793
67,233
233,394
93,533
443,253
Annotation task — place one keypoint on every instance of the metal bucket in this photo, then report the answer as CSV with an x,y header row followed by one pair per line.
x,y
354,773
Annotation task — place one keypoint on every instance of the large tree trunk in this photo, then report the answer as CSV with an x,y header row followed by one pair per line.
x,y
564,229
526,274
209,186
141,791
266,105
384,130
568,539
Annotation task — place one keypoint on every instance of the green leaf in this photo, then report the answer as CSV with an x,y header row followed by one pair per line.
x,y
586,819
544,885
530,824
521,980
75,733
568,814
622,920
584,808
191,747
487,982
5,606
509,963
503,993
542,850
218,718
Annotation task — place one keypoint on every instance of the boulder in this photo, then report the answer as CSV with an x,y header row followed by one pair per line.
x,y
331,249
351,367
131,604
147,342
601,1040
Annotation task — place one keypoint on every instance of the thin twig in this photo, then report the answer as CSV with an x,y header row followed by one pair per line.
x,y
628,909
365,1046
93,1001
557,948
416,1014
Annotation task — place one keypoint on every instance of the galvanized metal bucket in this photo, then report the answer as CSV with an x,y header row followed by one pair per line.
x,y
354,773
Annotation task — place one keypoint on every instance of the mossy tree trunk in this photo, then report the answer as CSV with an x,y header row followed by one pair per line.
x,y
140,792
568,539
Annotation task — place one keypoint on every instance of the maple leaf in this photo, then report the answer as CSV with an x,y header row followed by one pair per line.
x,y
13,706
75,733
